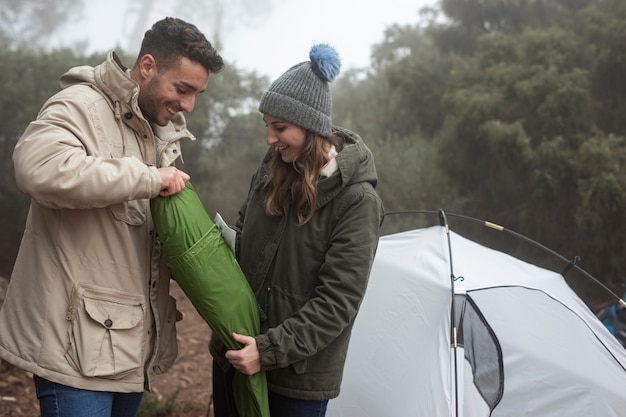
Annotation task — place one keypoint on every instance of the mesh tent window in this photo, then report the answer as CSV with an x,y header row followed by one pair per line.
x,y
481,348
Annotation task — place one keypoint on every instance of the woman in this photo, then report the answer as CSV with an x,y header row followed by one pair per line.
x,y
306,238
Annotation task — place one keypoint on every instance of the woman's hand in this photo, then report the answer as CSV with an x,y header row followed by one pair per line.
x,y
247,359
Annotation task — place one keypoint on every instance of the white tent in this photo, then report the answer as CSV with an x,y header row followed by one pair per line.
x,y
526,344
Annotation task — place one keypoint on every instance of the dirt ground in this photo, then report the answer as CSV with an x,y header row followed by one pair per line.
x,y
191,373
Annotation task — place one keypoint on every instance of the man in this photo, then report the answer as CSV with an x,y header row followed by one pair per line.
x,y
88,309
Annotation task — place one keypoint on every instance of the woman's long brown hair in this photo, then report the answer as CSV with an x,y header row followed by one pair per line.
x,y
297,180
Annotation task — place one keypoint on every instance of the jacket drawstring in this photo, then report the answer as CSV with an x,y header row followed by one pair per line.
x,y
118,118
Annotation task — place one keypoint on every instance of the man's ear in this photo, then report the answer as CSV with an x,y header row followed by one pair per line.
x,y
147,66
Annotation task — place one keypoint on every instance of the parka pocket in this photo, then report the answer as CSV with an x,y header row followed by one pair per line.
x,y
105,332
300,367
132,212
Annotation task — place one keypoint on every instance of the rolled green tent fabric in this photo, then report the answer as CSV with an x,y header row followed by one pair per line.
x,y
206,270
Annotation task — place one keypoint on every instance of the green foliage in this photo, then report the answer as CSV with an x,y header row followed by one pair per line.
x,y
26,23
511,111
397,108
402,95
513,95
602,32
409,179
530,113
602,199
477,17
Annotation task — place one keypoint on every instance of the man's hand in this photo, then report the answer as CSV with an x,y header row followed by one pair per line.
x,y
172,181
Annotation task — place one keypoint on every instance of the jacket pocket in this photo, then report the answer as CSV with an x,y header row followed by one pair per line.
x,y
168,345
132,212
106,332
300,367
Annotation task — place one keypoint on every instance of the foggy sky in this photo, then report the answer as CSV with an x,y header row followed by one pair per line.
x,y
269,42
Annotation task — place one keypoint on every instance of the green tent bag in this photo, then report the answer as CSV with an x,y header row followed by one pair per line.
x,y
206,270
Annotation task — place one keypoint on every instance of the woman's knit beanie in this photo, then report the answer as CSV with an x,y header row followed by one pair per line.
x,y
302,94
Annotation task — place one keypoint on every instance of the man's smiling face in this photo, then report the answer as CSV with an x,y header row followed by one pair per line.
x,y
164,94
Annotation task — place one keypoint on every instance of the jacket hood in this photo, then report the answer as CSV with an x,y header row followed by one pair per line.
x,y
356,162
355,165
111,77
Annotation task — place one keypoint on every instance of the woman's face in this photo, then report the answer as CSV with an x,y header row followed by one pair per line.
x,y
286,138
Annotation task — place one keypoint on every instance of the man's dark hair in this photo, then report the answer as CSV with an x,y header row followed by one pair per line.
x,y
171,39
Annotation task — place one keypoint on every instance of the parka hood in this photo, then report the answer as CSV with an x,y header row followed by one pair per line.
x,y
355,165
111,77
356,162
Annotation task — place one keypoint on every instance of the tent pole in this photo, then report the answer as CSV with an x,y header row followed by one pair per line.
x,y
453,329
494,226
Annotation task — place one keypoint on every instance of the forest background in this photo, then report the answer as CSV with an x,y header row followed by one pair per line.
x,y
510,111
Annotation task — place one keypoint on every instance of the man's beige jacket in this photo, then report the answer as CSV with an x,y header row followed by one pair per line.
x,y
88,302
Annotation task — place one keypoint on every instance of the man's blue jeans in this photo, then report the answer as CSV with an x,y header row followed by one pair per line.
x,y
56,400
280,406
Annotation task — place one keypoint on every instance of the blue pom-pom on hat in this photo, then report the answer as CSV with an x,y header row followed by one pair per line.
x,y
302,94
325,61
